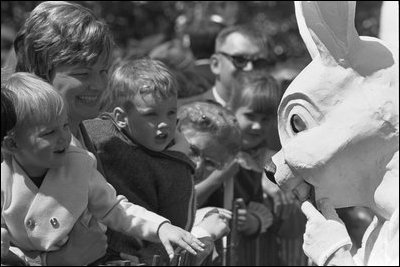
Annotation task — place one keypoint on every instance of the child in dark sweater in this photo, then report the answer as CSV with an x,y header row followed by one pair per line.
x,y
141,154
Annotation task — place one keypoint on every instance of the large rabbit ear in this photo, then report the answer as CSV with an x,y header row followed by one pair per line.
x,y
327,28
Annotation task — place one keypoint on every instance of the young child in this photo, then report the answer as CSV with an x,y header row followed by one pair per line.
x,y
253,103
214,137
49,185
140,152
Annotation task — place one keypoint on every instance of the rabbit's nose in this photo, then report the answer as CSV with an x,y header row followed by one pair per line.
x,y
270,170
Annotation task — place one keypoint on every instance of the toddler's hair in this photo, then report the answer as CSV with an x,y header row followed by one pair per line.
x,y
210,117
58,32
35,100
257,90
138,77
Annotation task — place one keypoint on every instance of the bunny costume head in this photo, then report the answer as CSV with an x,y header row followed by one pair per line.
x,y
339,119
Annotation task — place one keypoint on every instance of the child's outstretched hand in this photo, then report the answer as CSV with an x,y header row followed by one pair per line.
x,y
216,223
169,233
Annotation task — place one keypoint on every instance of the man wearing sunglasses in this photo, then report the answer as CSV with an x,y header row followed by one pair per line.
x,y
238,48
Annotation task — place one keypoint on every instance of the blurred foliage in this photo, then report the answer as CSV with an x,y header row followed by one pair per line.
x,y
132,21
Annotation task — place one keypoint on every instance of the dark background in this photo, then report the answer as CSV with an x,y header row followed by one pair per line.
x,y
134,21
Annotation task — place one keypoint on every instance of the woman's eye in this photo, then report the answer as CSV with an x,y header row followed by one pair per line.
x,y
171,113
297,123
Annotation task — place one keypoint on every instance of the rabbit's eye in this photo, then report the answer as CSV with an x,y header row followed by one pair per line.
x,y
297,124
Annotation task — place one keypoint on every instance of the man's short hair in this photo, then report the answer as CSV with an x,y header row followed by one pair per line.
x,y
58,32
138,77
248,30
260,38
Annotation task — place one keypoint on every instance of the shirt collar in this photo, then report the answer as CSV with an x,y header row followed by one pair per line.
x,y
217,97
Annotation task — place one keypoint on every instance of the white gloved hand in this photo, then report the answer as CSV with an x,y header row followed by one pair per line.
x,y
325,233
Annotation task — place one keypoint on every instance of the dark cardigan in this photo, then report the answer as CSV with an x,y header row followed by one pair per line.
x,y
159,181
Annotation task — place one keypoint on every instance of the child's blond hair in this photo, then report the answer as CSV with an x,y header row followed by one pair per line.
x,y
138,78
35,100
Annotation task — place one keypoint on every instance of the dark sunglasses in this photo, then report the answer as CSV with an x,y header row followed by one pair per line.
x,y
240,61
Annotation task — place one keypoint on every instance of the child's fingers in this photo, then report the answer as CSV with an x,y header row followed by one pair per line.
x,y
168,247
187,245
242,212
224,218
226,213
190,243
242,218
193,241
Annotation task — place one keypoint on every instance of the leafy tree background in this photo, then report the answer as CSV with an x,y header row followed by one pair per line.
x,y
133,21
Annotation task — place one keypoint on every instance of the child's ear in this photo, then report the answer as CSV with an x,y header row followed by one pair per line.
x,y
9,144
120,117
215,64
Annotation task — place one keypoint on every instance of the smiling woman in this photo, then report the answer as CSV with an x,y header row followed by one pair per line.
x,y
65,44
82,86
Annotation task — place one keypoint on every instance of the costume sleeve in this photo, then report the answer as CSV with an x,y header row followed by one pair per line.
x,y
119,214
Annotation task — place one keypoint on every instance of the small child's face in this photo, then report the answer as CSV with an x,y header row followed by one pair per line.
x,y
206,152
43,145
253,125
152,121
81,87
